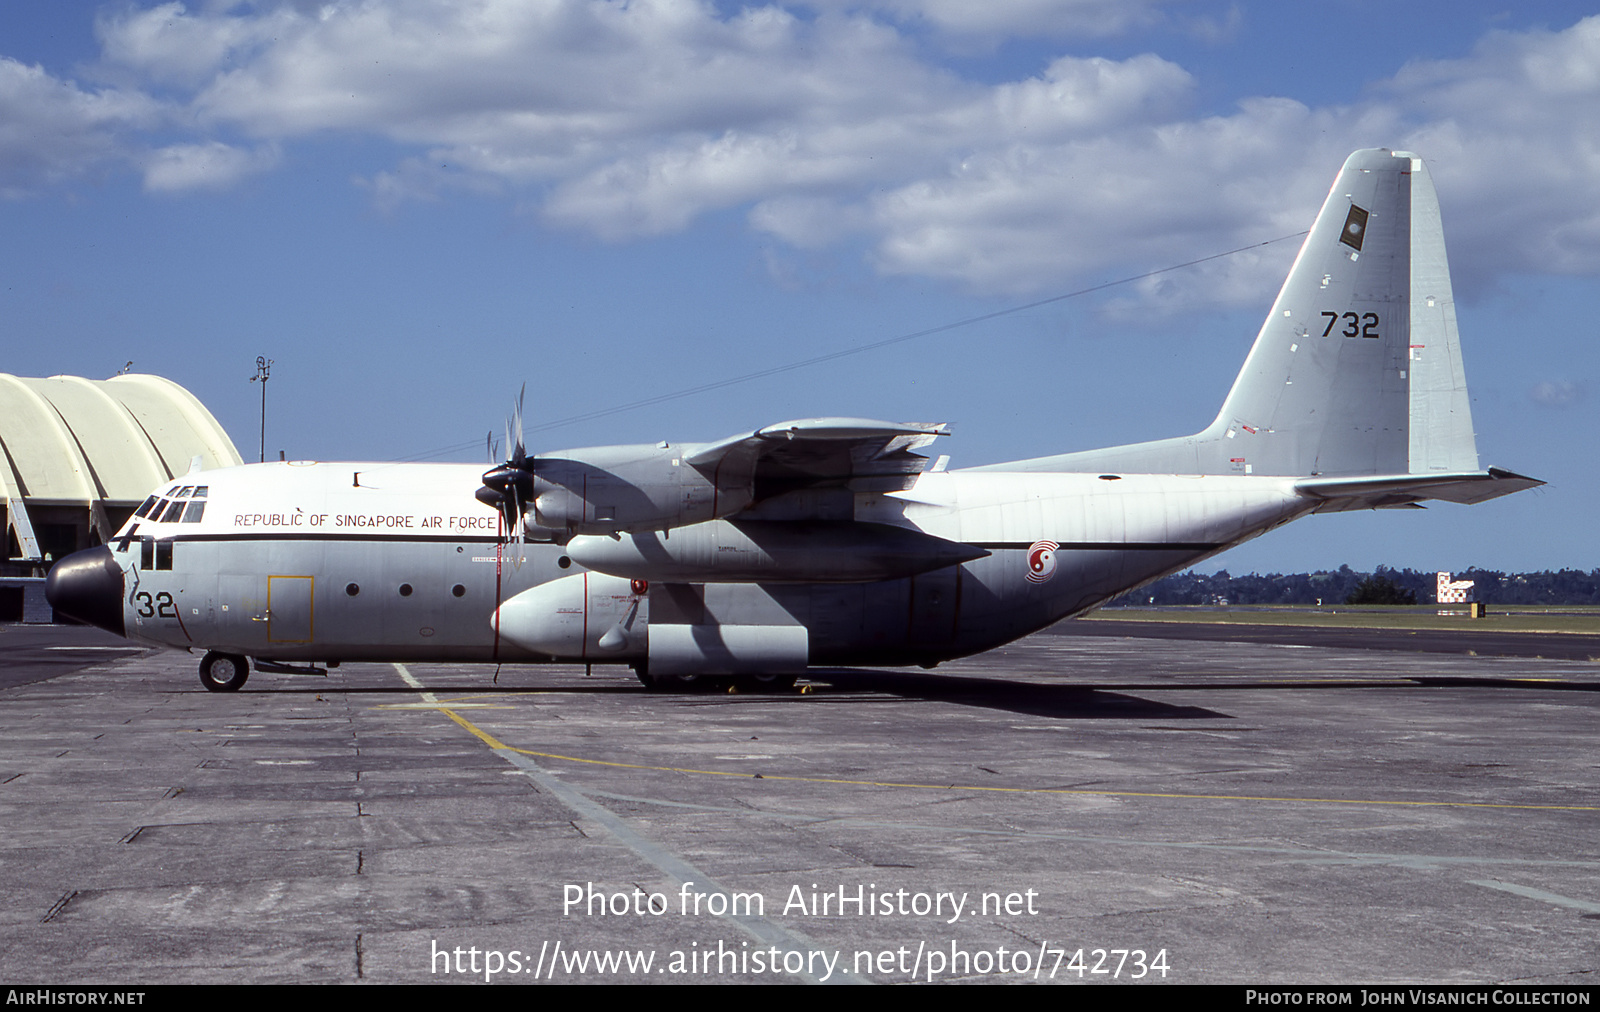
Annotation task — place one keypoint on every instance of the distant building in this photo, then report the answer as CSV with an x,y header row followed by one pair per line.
x,y
1453,591
78,456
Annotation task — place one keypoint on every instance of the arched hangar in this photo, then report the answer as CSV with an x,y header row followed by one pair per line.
x,y
80,455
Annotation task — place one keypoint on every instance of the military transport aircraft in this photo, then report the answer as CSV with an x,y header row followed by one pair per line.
x,y
825,541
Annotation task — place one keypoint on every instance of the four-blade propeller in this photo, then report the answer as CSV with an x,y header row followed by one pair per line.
x,y
509,486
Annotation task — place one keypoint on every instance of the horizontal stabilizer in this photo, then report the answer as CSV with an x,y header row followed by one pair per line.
x,y
1387,491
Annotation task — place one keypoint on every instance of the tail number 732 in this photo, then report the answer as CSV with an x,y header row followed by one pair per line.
x,y
1362,325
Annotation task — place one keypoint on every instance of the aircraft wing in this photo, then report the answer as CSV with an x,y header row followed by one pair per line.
x,y
1404,490
856,453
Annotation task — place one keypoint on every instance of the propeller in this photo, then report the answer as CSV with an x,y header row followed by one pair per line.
x,y
509,486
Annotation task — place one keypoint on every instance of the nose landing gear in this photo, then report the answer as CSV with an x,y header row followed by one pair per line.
x,y
221,672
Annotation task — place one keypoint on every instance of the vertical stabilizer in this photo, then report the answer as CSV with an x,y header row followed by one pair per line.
x,y
1324,390
1357,369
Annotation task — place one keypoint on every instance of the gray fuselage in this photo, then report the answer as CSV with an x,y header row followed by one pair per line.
x,y
332,562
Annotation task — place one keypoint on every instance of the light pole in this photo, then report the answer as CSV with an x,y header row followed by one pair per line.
x,y
263,371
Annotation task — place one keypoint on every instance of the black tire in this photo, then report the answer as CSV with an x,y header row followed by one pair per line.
x,y
221,672
765,683
672,683
685,683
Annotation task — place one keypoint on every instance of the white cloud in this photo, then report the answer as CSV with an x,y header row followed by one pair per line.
x,y
209,166
1033,216
834,125
168,45
1556,393
809,222
1512,133
964,21
663,189
52,130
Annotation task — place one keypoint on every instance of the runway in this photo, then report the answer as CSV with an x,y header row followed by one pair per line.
x,y
1567,646
1229,812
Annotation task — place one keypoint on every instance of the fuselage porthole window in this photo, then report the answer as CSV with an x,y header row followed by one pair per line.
x,y
405,590
352,589
458,590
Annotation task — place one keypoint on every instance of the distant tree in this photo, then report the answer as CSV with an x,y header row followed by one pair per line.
x,y
1564,587
1377,589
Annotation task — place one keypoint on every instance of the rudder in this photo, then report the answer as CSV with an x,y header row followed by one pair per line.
x,y
1441,434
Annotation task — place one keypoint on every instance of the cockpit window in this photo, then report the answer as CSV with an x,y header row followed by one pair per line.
x,y
172,491
200,491
195,510
173,511
144,511
187,490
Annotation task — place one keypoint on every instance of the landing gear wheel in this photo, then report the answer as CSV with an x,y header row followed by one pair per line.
x,y
682,683
765,683
221,672
643,673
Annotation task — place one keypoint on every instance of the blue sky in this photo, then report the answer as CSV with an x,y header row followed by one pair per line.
x,y
416,207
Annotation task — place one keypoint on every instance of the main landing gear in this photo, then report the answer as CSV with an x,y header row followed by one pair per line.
x,y
221,672
768,683
764,683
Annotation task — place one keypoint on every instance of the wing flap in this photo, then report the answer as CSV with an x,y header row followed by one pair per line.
x,y
856,453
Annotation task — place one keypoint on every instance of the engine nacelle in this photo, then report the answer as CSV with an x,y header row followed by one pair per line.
x,y
607,489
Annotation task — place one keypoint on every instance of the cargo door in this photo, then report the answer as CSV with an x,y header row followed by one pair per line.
x,y
289,609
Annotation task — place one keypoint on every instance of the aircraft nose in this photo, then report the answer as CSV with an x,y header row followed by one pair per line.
x,y
87,586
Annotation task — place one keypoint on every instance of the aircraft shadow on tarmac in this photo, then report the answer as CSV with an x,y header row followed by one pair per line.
x,y
849,685
1060,702
1063,702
